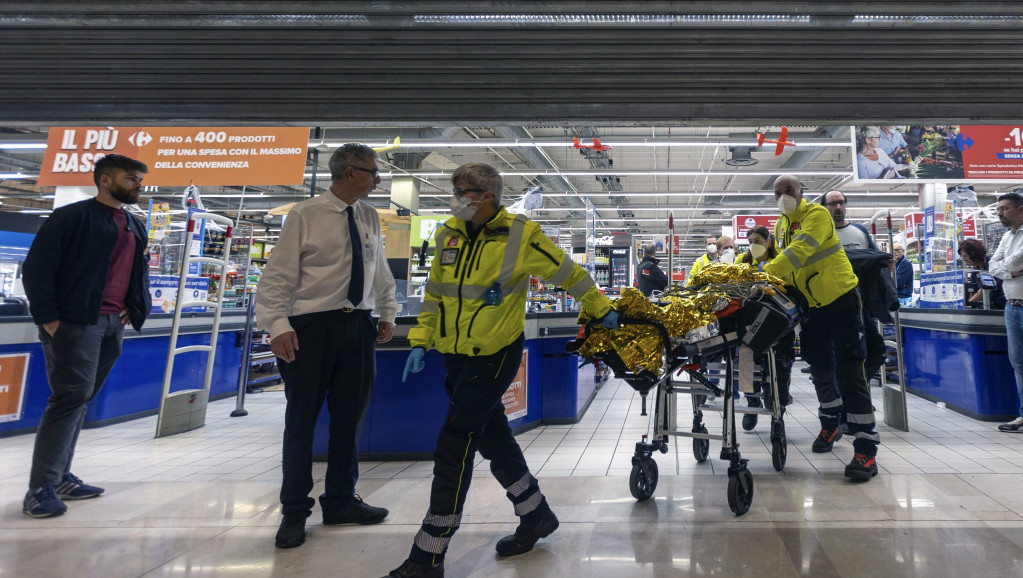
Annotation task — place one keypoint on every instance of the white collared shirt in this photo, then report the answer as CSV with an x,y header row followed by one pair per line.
x,y
310,266
1009,258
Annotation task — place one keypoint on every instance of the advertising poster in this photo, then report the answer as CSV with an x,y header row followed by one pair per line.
x,y
164,291
741,225
256,250
914,227
515,398
13,377
159,220
940,153
179,156
942,290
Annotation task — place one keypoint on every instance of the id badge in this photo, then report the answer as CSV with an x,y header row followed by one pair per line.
x,y
448,256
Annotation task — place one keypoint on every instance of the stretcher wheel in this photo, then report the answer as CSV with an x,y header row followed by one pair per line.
x,y
740,491
701,447
641,483
779,451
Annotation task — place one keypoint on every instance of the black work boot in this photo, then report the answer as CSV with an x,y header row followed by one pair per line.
x,y
862,467
526,535
826,440
291,533
412,569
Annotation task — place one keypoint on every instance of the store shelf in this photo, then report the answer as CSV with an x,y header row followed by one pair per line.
x,y
261,378
261,358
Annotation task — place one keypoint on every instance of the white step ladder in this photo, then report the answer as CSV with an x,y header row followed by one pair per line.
x,y
185,410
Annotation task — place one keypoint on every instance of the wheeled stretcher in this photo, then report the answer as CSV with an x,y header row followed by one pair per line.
x,y
739,353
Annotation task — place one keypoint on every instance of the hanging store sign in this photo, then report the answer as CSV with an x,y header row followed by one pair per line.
x,y
424,228
13,374
941,153
742,224
179,156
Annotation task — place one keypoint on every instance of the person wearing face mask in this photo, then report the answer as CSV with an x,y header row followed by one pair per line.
x,y
474,316
762,250
726,248
703,260
812,259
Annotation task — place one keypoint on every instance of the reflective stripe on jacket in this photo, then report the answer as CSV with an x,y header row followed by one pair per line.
x,y
811,256
455,317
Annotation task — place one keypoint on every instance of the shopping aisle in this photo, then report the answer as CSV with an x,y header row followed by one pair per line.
x,y
204,503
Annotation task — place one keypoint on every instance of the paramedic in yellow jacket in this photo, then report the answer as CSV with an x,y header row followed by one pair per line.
x,y
811,257
703,260
474,313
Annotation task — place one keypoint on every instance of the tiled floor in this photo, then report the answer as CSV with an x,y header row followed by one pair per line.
x,y
204,503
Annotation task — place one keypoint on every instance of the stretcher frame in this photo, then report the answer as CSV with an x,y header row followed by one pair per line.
x,y
697,361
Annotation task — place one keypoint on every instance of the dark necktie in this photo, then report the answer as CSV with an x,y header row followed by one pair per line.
x,y
355,280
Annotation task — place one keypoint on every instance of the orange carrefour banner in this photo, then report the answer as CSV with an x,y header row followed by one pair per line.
x,y
177,156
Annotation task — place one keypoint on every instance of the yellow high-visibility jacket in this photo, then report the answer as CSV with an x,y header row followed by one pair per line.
x,y
811,256
510,248
700,262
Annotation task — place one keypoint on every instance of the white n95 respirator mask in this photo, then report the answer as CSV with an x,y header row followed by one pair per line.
x,y
462,208
787,204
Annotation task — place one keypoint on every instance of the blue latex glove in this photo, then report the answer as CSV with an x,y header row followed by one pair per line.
x,y
610,320
415,362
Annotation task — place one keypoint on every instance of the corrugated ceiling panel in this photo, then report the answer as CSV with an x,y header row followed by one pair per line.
x,y
390,70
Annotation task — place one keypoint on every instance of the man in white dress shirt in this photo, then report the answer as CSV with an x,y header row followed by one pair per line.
x,y
1007,265
326,275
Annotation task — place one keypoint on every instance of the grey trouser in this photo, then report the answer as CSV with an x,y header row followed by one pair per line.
x,y
78,360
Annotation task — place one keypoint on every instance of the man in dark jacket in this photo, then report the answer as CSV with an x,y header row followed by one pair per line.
x,y
651,278
854,236
86,277
903,272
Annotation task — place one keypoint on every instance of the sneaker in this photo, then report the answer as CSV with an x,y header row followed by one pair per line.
x,y
291,534
72,488
43,503
1014,426
826,440
862,467
356,512
411,569
526,536
805,369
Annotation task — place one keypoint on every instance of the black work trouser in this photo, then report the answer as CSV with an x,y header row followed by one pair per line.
x,y
833,344
876,351
475,421
336,361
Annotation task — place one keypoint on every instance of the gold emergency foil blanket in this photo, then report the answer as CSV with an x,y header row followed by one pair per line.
x,y
720,273
640,346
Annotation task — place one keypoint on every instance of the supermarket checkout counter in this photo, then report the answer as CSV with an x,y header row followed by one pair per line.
x,y
404,419
135,384
960,357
